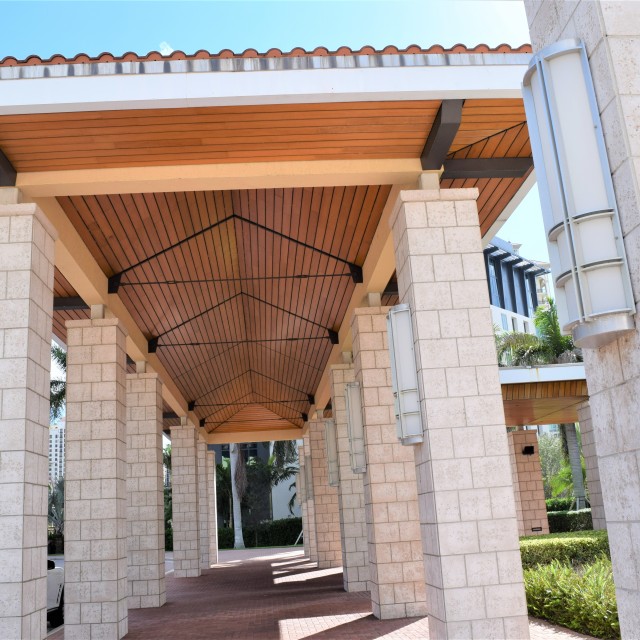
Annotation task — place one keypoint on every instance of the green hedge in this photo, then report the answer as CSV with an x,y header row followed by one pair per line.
x,y
279,533
583,600
577,548
559,504
560,521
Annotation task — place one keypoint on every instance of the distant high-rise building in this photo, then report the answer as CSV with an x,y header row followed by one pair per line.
x,y
56,451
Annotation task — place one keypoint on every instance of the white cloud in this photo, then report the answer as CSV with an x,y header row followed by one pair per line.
x,y
165,48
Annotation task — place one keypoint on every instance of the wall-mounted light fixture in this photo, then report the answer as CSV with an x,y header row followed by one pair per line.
x,y
588,261
528,450
308,477
355,427
332,452
404,375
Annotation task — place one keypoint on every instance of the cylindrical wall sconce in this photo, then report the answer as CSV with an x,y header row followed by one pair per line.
x,y
588,261
332,452
404,375
355,427
301,485
308,477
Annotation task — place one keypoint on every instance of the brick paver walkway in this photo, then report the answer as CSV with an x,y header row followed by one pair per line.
x,y
276,594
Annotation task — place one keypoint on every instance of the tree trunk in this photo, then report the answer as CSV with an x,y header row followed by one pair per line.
x,y
238,540
576,465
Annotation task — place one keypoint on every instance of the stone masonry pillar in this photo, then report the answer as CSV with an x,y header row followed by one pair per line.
x,y
203,504
95,572
325,499
301,496
526,473
145,492
591,464
184,493
353,525
396,578
611,33
469,527
26,304
310,502
213,507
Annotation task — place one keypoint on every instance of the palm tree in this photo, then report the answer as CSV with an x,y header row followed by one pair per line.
x,y
58,388
238,488
56,506
550,346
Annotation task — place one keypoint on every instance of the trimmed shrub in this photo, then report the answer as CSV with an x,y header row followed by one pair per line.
x,y
559,504
168,538
576,548
278,533
583,600
560,521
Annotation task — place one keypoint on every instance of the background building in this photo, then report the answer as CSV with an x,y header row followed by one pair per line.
x,y
56,451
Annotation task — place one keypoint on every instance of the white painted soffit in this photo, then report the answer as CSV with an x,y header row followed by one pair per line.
x,y
227,82
546,373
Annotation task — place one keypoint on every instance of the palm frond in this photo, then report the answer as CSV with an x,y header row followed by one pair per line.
x,y
517,349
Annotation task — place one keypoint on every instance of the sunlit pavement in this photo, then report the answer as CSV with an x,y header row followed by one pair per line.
x,y
280,595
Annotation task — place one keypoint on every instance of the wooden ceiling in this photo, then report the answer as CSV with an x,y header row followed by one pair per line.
x,y
543,402
242,310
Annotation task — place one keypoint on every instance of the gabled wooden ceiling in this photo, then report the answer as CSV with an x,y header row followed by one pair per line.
x,y
240,313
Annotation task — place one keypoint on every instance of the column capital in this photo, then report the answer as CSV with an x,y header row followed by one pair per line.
x,y
12,205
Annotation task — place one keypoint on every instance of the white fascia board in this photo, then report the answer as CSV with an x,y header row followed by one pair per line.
x,y
546,373
173,90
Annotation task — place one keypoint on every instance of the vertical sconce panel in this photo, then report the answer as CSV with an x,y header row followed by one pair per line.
x,y
332,452
308,477
355,427
404,375
588,260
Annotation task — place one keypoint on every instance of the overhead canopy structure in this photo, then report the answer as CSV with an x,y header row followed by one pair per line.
x,y
232,210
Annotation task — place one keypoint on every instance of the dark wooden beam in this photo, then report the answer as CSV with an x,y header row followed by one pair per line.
x,y
7,172
474,168
441,136
70,303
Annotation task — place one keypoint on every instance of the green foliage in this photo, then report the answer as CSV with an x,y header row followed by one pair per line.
x,y
560,521
581,599
279,533
168,519
551,459
559,504
576,547
58,388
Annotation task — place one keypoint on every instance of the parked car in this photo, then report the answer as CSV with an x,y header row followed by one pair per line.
x,y
55,594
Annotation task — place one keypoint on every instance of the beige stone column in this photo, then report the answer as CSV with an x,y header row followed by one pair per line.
x,y
528,489
611,33
591,465
145,491
26,304
393,525
184,495
301,495
213,507
469,527
310,501
203,504
325,498
95,590
353,525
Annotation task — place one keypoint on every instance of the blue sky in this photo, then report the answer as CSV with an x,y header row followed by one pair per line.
x,y
92,27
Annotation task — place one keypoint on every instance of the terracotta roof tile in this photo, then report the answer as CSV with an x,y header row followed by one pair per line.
x,y
83,58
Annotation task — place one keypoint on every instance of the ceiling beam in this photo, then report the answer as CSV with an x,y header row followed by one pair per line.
x,y
8,174
475,168
443,131
69,303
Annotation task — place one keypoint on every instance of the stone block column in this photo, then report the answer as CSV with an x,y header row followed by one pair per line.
x,y
310,501
301,496
203,504
469,527
591,464
526,473
611,34
26,304
353,525
95,590
145,492
325,498
213,507
184,493
396,574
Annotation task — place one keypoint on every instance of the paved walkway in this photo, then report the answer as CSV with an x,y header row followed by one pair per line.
x,y
276,594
